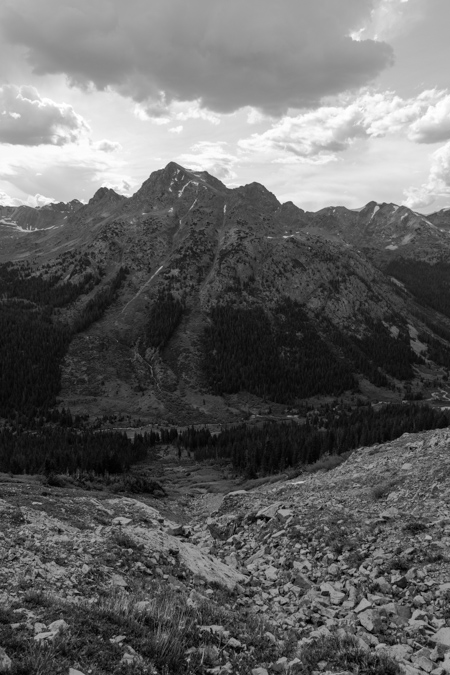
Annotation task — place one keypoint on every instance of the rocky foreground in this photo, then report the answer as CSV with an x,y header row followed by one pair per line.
x,y
358,553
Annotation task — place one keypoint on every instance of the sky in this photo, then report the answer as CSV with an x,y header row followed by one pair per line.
x,y
325,102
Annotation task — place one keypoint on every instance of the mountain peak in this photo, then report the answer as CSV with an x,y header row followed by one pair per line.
x,y
105,193
258,193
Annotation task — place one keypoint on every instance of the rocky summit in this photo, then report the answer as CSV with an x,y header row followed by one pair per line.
x,y
339,571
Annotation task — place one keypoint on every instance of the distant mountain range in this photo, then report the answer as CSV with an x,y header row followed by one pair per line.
x,y
190,301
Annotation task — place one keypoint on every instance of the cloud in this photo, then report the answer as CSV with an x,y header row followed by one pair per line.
x,y
319,136
388,18
107,146
434,125
211,157
6,200
28,119
64,172
122,186
225,54
161,112
39,200
31,200
438,183
176,130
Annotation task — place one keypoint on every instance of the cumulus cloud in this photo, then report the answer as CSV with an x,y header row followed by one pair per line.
x,y
76,170
122,186
211,157
318,136
28,119
106,146
438,183
434,125
176,130
39,200
388,18
225,54
6,200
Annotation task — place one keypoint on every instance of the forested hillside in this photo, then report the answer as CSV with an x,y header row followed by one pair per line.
x,y
272,447
280,359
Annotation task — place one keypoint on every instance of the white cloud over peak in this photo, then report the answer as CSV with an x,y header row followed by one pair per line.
x,y
122,186
211,157
28,119
225,54
319,136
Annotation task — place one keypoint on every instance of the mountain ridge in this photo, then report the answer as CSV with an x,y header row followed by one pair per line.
x,y
184,237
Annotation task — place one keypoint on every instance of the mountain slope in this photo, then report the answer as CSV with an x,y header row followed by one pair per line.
x,y
162,261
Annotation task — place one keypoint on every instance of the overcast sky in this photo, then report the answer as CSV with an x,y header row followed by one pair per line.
x,y
326,102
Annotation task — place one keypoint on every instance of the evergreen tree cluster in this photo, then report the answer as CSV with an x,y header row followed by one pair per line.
x,y
391,354
378,353
21,283
32,343
281,360
274,447
164,318
430,284
97,305
55,449
31,350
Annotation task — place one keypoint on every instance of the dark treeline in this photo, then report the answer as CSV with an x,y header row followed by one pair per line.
x,y
97,305
31,349
32,342
274,447
21,283
164,318
429,283
59,450
282,361
378,353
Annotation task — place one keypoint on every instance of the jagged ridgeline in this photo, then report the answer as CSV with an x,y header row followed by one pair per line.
x,y
280,357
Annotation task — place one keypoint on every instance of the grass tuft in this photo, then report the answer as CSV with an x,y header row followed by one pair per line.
x,y
335,653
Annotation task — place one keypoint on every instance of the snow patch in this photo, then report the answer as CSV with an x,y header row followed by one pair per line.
x,y
184,188
406,240
376,208
193,205
224,209
392,247
18,228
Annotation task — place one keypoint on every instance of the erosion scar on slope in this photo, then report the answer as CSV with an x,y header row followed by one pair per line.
x,y
142,288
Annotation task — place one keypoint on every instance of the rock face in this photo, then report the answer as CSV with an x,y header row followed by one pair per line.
x,y
143,529
346,559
